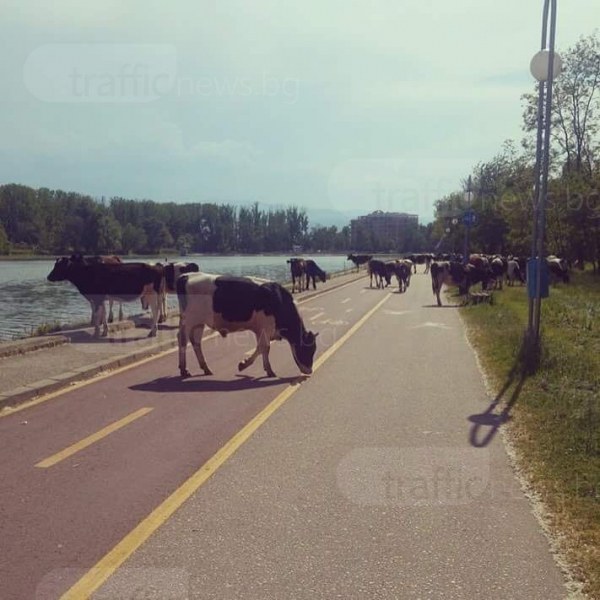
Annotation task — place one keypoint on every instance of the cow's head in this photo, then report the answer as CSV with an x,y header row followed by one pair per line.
x,y
323,276
61,269
304,351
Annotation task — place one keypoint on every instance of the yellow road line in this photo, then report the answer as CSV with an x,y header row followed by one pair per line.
x,y
107,565
91,439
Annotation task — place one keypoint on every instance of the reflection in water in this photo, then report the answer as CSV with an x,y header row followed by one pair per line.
x,y
28,300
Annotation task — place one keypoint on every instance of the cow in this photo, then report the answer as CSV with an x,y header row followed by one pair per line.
x,y
312,272
402,269
558,268
378,269
514,272
359,259
455,273
171,272
297,270
123,281
420,259
107,260
499,267
228,304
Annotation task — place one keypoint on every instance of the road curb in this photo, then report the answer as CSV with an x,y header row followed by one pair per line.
x,y
37,389
31,344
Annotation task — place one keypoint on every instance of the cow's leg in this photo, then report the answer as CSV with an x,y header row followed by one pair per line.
x,y
100,318
120,311
110,311
153,302
436,291
196,340
263,346
182,340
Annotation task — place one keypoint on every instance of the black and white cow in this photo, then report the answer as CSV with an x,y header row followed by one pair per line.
x,y
558,269
228,304
122,281
90,260
455,273
499,268
171,272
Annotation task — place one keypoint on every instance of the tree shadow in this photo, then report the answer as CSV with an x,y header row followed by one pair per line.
x,y
201,383
486,425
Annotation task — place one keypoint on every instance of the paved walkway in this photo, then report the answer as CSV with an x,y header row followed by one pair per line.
x,y
362,485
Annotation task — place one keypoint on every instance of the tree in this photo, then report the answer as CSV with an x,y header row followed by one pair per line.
x,y
575,108
4,243
133,239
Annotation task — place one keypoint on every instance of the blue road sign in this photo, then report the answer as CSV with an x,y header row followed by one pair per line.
x,y
469,218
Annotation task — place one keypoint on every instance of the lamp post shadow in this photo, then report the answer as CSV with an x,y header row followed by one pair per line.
x,y
485,425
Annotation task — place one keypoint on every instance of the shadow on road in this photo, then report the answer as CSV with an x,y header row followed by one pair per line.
x,y
202,383
442,306
486,425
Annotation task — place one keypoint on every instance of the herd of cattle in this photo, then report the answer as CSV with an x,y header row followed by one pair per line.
x,y
450,269
228,304
223,303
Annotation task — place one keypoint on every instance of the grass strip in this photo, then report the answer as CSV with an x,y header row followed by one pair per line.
x,y
554,420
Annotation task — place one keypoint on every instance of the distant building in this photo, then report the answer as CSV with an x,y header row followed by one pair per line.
x,y
381,228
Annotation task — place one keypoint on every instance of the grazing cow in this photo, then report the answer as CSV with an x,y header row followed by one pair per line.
x,y
123,281
313,271
359,259
297,270
558,268
379,270
171,271
227,304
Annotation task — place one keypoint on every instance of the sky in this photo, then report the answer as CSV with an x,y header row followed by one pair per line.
x,y
335,107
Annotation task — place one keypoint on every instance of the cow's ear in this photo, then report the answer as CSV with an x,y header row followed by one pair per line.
x,y
316,335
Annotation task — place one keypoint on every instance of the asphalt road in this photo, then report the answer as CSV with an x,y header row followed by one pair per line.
x,y
358,482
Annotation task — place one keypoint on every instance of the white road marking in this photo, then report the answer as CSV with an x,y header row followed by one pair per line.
x,y
314,317
333,322
346,300
396,312
348,310
430,324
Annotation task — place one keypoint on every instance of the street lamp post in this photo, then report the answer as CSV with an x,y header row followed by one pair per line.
x,y
468,220
545,65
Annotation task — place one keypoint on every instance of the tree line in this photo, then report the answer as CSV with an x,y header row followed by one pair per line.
x,y
503,186
57,222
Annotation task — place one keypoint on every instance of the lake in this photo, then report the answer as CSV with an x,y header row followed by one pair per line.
x,y
28,300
